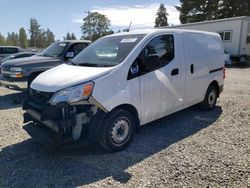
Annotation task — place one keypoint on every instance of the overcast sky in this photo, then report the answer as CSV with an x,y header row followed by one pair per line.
x,y
66,16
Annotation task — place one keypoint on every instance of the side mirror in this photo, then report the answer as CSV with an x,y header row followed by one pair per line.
x,y
70,55
152,61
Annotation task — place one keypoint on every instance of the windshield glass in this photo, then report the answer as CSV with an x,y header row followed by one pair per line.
x,y
55,50
8,58
108,51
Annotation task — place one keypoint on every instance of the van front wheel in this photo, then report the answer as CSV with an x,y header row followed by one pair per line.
x,y
210,98
117,131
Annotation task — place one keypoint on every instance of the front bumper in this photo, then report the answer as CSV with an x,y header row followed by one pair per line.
x,y
15,84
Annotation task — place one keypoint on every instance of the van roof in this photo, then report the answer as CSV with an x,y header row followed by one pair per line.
x,y
161,30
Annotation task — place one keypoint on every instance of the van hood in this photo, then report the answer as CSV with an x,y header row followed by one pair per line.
x,y
64,76
28,60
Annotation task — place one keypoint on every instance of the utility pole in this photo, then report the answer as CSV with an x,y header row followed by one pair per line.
x,y
89,25
129,26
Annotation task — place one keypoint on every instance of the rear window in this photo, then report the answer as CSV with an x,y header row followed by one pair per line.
x,y
7,50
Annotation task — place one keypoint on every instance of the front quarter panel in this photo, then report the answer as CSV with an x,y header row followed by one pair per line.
x,y
113,90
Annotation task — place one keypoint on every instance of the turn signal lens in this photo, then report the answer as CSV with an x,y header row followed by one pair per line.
x,y
19,75
87,89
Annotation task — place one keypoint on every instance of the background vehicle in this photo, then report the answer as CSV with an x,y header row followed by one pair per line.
x,y
8,50
18,73
123,81
17,55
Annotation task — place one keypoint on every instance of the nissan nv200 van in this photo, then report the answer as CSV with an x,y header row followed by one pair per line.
x,y
123,81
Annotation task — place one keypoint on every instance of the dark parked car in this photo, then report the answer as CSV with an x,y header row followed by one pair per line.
x,y
18,74
8,50
17,55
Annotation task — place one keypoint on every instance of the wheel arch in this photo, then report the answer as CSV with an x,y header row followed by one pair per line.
x,y
216,85
131,109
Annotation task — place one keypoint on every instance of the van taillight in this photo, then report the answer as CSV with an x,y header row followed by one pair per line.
x,y
224,73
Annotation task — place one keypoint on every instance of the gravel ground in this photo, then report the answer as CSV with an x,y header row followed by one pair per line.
x,y
190,148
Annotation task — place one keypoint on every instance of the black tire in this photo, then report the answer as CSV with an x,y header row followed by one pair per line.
x,y
109,138
210,98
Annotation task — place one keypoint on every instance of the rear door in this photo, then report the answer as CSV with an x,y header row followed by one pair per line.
x,y
162,89
197,67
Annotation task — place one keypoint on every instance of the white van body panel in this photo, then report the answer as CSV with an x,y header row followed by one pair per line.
x,y
64,76
204,53
156,93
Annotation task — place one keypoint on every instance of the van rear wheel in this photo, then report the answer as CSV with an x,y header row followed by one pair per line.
x,y
117,131
210,98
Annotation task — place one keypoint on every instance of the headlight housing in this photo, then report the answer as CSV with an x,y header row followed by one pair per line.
x,y
73,94
16,69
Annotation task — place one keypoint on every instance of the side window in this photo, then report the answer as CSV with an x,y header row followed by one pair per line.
x,y
163,47
248,39
226,36
77,48
221,35
8,50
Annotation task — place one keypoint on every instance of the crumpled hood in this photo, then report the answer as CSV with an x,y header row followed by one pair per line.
x,y
64,76
28,60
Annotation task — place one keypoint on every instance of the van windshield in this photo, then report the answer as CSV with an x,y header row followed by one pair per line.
x,y
55,50
107,52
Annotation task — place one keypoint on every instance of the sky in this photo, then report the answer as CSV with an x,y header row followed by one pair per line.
x,y
62,16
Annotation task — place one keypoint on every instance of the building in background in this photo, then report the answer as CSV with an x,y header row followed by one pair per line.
x,y
235,34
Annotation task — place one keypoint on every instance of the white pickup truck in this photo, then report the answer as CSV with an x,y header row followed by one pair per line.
x,y
123,81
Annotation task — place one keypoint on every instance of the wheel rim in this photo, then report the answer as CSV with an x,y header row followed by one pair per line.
x,y
120,131
212,98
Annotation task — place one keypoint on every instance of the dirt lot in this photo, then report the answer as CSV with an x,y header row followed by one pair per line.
x,y
188,149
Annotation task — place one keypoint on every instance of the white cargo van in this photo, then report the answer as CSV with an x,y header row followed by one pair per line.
x,y
123,81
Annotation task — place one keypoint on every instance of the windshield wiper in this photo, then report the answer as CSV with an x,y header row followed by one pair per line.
x,y
47,55
88,64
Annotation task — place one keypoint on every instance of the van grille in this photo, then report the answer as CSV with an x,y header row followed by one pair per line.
x,y
40,98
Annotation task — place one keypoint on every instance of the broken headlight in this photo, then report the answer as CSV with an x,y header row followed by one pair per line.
x,y
73,94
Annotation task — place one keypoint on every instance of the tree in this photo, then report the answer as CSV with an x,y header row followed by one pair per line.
x,y
39,37
70,36
161,17
95,25
2,39
50,37
73,37
35,33
23,38
202,10
231,8
12,39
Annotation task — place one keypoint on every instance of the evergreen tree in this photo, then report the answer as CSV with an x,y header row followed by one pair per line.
x,y
23,38
50,37
35,33
12,39
161,17
202,10
95,25
2,40
73,37
70,36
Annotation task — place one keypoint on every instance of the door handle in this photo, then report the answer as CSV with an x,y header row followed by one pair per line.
x,y
174,72
192,68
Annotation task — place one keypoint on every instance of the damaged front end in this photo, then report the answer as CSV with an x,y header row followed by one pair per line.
x,y
59,122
